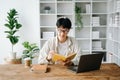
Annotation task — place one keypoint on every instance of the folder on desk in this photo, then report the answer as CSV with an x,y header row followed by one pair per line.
x,y
37,68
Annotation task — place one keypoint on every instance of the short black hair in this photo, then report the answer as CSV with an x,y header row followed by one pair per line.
x,y
64,22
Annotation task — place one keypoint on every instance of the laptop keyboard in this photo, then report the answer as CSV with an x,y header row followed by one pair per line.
x,y
73,68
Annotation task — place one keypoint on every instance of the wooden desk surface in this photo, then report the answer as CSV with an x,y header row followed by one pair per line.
x,y
19,72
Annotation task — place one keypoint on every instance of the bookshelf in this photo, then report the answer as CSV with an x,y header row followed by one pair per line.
x,y
113,32
94,17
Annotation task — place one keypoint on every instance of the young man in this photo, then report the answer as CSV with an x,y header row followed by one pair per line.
x,y
61,44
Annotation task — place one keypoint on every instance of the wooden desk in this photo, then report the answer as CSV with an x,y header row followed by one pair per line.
x,y
18,72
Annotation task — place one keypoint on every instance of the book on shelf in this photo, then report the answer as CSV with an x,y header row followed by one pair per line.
x,y
96,21
97,45
57,57
88,8
118,6
95,48
39,68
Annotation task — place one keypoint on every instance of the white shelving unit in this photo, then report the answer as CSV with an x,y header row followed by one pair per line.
x,y
94,17
113,32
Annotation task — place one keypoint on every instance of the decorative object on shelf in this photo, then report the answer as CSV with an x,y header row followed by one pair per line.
x,y
30,52
47,9
78,18
110,35
13,25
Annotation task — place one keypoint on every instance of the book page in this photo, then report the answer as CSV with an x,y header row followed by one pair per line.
x,y
71,56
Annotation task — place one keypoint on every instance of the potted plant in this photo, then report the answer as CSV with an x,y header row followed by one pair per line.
x,y
29,52
13,26
47,9
78,18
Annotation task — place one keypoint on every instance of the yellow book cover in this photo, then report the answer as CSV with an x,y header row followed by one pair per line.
x,y
57,57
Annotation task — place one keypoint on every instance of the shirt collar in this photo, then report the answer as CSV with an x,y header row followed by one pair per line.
x,y
68,41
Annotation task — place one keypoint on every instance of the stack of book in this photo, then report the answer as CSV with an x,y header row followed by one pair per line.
x,y
96,21
97,45
117,16
117,20
118,6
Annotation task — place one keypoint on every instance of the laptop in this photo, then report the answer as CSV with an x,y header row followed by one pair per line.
x,y
88,62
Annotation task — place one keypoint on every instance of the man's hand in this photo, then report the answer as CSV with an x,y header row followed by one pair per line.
x,y
66,63
50,55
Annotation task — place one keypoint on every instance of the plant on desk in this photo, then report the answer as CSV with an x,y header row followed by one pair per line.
x,y
29,52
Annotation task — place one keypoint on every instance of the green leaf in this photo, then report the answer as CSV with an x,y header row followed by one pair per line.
x,y
8,26
18,26
13,39
12,13
25,52
30,49
11,32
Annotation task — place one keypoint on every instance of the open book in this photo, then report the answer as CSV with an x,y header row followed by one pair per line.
x,y
57,57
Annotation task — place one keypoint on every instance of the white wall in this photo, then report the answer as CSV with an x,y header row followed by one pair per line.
x,y
28,11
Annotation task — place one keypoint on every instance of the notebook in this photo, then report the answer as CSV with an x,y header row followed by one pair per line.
x,y
37,68
88,62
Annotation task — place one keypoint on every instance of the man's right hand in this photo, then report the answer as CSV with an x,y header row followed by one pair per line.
x,y
50,55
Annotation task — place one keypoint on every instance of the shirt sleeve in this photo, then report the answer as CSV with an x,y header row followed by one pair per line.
x,y
77,50
43,53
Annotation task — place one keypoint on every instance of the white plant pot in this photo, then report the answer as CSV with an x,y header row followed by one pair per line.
x,y
12,55
47,11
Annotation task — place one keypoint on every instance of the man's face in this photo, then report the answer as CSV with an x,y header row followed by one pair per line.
x,y
62,33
